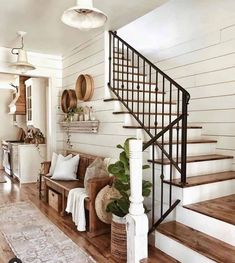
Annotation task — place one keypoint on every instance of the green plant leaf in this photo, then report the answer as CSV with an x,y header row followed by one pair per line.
x,y
146,192
119,146
123,206
114,208
125,160
146,184
145,166
116,168
120,186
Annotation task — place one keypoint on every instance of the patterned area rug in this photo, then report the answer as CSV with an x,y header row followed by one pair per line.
x,y
33,238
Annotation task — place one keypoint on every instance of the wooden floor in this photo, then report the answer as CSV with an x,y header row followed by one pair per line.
x,y
98,247
222,208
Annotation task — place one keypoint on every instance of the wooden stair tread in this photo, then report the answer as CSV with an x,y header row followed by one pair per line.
x,y
199,158
125,65
133,73
156,255
222,208
206,245
204,179
199,141
146,91
145,113
135,81
122,58
158,127
140,101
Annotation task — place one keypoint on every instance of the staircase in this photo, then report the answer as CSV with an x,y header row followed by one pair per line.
x,y
193,187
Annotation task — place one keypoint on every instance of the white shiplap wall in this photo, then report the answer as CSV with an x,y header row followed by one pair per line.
x,y
205,66
89,58
46,66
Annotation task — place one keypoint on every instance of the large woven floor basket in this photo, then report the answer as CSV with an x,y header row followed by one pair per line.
x,y
118,238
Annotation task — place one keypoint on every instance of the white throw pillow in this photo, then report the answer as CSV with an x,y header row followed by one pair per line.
x,y
54,161
66,169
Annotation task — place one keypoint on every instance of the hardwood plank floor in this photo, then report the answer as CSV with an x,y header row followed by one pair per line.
x,y
98,247
222,208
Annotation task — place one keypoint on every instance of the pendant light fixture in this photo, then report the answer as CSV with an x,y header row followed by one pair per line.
x,y
84,16
22,63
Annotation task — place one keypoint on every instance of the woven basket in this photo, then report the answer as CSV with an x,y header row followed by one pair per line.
x,y
118,238
84,87
68,100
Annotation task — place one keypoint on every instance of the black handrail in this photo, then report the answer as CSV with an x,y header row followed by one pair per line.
x,y
149,62
141,98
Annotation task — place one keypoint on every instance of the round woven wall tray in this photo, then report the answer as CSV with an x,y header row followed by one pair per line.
x,y
84,87
68,100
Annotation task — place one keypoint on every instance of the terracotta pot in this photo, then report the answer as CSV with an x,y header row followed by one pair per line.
x,y
118,238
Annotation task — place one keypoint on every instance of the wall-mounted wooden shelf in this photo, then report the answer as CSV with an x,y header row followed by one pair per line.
x,y
81,126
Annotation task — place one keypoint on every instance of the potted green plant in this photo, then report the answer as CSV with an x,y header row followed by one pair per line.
x,y
119,207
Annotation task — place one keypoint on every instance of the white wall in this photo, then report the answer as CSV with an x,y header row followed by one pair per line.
x,y
205,66
46,66
88,58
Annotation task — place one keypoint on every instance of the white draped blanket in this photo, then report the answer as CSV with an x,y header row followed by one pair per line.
x,y
75,205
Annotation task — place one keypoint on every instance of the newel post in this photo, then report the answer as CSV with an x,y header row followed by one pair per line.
x,y
137,220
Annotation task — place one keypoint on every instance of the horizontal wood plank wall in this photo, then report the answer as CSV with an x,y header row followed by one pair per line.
x,y
46,66
89,58
205,66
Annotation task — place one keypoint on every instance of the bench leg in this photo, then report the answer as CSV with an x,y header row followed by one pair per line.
x,y
63,204
46,193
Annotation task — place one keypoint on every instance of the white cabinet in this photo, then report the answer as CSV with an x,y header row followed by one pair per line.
x,y
36,103
26,159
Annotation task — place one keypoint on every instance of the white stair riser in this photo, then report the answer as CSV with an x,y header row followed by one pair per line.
x,y
124,84
127,69
140,95
206,224
179,251
145,118
192,134
205,192
192,149
118,106
198,168
152,107
131,77
157,210
194,194
122,62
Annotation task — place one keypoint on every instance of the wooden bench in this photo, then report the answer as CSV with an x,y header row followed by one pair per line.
x,y
95,227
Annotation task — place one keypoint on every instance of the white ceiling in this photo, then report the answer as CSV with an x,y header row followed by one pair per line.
x,y
178,21
46,32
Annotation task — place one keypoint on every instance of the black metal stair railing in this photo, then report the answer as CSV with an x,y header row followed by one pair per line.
x,y
159,106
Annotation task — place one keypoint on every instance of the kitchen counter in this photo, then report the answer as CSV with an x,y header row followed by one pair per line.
x,y
26,161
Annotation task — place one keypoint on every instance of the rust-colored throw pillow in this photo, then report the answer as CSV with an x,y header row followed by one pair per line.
x,y
94,170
